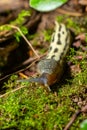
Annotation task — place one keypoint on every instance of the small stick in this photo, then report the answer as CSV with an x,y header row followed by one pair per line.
x,y
62,11
33,60
18,29
23,75
74,116
72,120
14,90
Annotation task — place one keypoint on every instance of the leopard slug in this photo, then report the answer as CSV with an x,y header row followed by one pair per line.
x,y
52,66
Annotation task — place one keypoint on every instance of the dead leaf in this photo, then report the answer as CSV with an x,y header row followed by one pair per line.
x,y
77,44
81,37
75,69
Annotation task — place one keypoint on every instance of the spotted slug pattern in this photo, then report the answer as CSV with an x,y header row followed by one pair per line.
x,y
51,67
60,43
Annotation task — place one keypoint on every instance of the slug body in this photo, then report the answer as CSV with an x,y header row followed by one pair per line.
x,y
52,66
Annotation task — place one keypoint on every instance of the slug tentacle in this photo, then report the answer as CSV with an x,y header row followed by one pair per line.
x,y
42,80
37,79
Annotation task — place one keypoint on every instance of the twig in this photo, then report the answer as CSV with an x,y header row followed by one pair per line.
x,y
33,60
14,90
74,116
62,11
18,29
72,120
23,75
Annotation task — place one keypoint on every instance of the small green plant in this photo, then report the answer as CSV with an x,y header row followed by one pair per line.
x,y
17,34
46,5
21,18
83,125
47,35
71,55
10,84
19,23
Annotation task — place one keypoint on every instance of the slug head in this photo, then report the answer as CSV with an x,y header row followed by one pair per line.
x,y
45,79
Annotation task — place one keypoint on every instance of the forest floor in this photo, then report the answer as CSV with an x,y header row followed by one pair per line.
x,y
28,106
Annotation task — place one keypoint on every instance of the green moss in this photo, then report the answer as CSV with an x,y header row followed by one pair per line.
x,y
77,24
33,108
47,35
